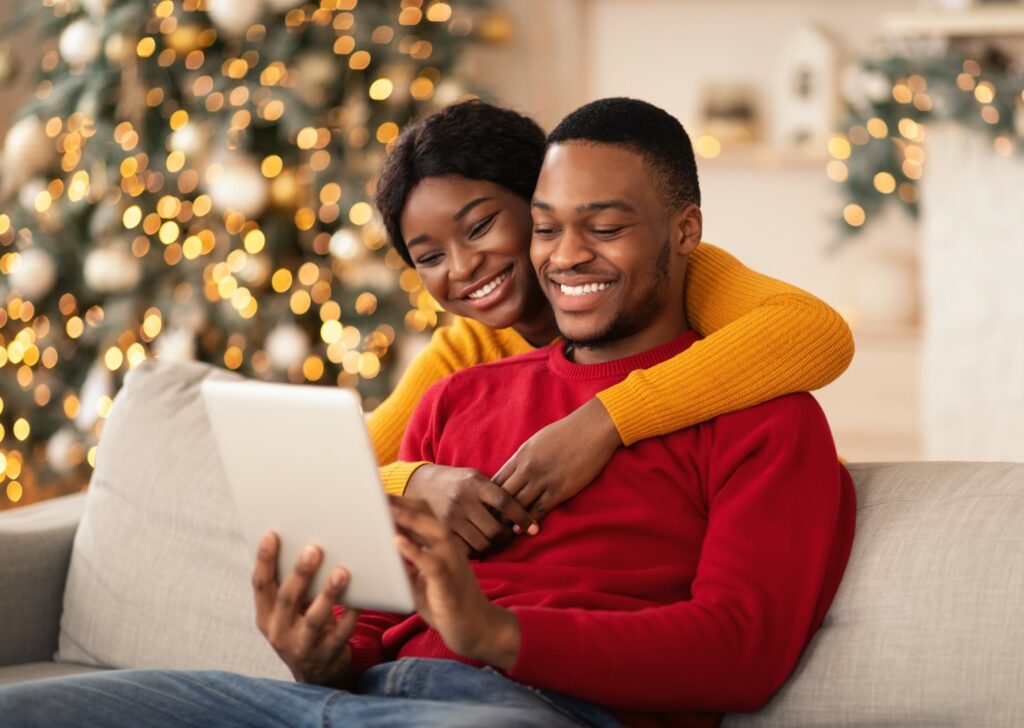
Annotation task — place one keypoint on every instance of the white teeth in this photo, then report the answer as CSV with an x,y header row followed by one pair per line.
x,y
481,292
586,288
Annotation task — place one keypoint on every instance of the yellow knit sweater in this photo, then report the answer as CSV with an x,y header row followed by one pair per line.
x,y
763,338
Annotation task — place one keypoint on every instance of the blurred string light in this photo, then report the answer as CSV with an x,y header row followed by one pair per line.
x,y
892,98
207,186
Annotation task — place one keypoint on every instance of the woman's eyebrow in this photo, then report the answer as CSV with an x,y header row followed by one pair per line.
x,y
469,206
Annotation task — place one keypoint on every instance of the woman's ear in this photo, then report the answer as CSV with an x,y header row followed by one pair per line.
x,y
689,227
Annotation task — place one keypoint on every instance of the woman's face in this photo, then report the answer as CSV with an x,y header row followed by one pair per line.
x,y
470,243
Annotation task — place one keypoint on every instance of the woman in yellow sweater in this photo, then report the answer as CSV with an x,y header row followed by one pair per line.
x,y
454,195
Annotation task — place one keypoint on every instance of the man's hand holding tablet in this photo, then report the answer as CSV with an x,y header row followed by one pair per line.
x,y
309,639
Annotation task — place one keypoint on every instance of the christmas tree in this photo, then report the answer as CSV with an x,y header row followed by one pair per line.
x,y
194,181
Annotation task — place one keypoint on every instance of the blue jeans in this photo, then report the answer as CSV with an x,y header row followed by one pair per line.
x,y
409,692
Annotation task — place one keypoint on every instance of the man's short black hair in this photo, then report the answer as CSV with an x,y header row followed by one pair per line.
x,y
644,129
472,139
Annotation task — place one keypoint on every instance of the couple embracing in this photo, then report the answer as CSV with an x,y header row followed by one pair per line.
x,y
616,504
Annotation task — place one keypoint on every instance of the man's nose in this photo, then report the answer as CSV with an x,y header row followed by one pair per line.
x,y
570,251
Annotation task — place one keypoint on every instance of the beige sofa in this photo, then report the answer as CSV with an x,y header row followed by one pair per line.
x,y
148,570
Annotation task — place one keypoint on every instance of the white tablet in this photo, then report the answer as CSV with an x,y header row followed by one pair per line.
x,y
299,462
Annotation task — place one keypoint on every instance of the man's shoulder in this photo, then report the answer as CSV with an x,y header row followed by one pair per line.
x,y
786,417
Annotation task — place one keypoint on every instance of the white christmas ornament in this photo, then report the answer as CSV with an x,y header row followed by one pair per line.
x,y
177,344
29,191
96,8
240,186
80,42
287,345
112,269
27,151
189,139
58,449
345,244
234,17
35,274
255,271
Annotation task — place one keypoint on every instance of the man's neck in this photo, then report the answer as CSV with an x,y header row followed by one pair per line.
x,y
637,343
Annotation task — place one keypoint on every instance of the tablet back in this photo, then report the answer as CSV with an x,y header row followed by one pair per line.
x,y
299,462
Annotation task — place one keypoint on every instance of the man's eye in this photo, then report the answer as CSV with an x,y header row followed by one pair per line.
x,y
544,232
482,227
608,232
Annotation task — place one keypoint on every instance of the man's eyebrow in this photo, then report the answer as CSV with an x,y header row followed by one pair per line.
x,y
590,206
469,206
606,205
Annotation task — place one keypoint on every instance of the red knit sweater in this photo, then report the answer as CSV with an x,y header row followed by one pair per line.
x,y
682,583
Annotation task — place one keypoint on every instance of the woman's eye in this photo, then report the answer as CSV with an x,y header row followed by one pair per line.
x,y
482,227
429,259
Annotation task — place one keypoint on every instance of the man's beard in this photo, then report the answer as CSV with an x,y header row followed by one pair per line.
x,y
628,323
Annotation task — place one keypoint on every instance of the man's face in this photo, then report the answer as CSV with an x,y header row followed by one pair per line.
x,y
609,255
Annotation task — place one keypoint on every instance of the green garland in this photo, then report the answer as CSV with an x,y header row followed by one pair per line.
x,y
891,98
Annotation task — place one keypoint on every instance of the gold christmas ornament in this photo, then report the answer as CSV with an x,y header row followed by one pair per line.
x,y
184,39
284,189
118,48
496,27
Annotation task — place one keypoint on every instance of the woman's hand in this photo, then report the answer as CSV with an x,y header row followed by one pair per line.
x,y
447,594
469,503
561,459
310,640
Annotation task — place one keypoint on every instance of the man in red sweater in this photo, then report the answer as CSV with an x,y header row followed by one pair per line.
x,y
683,583
686,580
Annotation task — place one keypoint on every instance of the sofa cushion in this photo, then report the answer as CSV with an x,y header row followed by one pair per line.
x,y
159,573
926,628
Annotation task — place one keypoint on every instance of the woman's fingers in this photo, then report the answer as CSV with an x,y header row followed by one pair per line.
x,y
506,503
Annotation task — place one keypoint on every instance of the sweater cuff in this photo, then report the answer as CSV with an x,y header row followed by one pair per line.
x,y
631,420
395,476
548,650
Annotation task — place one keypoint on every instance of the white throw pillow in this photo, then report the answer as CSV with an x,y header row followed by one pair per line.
x,y
159,573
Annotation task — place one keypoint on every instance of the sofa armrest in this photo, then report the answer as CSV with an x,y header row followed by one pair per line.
x,y
35,549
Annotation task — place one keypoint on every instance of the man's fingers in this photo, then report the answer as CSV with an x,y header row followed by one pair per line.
x,y
320,614
344,626
508,505
426,563
419,522
292,591
264,578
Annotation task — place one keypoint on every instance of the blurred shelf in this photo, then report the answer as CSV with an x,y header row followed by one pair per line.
x,y
1004,20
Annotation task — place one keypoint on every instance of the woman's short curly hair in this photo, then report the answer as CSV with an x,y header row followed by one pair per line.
x,y
472,139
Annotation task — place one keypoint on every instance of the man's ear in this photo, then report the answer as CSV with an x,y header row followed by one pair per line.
x,y
688,226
